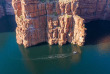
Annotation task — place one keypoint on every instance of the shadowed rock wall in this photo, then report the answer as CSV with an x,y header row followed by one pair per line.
x,y
56,21
6,8
94,9
1,11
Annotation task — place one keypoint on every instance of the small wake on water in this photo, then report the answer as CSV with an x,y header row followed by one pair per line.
x,y
56,56
46,57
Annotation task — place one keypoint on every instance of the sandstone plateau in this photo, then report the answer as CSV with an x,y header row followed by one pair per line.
x,y
56,21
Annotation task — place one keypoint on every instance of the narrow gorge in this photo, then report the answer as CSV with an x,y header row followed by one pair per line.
x,y
56,21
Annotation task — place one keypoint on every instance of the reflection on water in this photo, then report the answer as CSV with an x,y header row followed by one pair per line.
x,y
3,39
104,48
45,57
55,59
98,32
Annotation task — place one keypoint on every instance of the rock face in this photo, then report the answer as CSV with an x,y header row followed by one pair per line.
x,y
1,11
93,10
6,8
56,21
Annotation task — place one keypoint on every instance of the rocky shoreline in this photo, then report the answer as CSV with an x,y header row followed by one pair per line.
x,y
56,21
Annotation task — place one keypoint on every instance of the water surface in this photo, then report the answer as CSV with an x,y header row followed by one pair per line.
x,y
93,58
45,59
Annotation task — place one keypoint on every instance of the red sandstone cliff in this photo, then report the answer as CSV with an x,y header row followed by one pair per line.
x,y
56,22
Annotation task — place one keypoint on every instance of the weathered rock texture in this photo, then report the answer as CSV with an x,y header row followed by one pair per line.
x,y
6,8
1,11
57,21
93,10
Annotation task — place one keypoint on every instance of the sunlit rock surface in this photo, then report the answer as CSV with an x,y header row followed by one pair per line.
x,y
56,21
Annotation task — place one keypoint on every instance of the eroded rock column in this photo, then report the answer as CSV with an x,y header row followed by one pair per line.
x,y
79,31
54,22
31,22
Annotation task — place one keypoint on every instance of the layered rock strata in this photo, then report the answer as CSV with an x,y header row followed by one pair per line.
x,y
56,21
6,8
93,10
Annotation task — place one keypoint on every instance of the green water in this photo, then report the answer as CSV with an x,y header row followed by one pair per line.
x,y
45,59
93,58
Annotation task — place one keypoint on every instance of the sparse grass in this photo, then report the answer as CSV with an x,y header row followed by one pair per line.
x,y
69,16
21,17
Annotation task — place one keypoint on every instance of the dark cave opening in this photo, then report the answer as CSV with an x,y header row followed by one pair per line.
x,y
97,32
8,24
